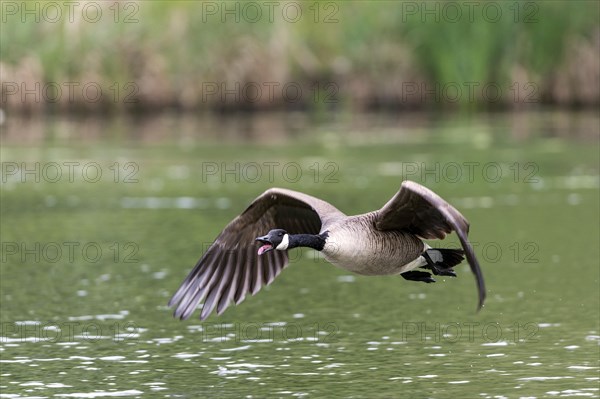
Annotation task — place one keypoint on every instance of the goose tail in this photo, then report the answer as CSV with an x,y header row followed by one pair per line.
x,y
444,258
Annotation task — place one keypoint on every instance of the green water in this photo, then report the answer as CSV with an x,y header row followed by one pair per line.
x,y
102,219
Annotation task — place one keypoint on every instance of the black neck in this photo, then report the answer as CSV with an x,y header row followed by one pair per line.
x,y
314,241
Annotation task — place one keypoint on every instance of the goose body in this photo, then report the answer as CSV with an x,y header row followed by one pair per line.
x,y
388,241
356,245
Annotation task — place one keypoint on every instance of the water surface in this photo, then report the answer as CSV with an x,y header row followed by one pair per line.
x,y
102,219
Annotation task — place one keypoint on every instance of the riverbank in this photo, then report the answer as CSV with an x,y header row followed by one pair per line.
x,y
143,56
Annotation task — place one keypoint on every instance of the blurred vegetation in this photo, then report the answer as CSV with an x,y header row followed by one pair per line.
x,y
318,54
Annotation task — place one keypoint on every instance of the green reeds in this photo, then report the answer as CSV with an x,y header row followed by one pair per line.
x,y
355,54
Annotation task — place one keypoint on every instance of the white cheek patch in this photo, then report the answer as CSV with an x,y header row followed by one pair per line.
x,y
284,243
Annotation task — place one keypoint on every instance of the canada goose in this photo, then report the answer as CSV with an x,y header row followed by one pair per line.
x,y
383,242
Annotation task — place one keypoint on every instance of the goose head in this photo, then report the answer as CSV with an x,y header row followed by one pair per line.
x,y
275,239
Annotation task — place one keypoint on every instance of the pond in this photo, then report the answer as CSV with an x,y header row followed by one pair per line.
x,y
102,218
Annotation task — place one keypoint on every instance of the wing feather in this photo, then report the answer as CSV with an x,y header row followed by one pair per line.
x,y
227,297
420,211
257,274
216,291
244,282
202,289
231,267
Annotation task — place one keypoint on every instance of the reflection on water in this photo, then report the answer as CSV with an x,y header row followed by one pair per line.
x,y
78,325
279,127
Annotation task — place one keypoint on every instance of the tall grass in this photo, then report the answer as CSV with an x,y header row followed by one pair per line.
x,y
368,53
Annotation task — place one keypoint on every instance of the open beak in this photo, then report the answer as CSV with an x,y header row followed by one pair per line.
x,y
266,247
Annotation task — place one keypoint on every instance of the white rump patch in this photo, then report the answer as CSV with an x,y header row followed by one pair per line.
x,y
284,243
420,261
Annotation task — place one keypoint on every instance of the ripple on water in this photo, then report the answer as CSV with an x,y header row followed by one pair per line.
x,y
112,358
573,392
346,279
546,325
239,348
166,340
185,355
499,343
115,316
100,394
575,367
155,386
239,368
592,338
545,378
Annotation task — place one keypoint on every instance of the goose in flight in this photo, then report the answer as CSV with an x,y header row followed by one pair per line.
x,y
388,241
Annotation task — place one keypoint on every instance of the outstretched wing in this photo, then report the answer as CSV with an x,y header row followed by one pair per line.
x,y
420,211
231,267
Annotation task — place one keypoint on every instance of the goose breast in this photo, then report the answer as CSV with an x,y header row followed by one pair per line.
x,y
356,245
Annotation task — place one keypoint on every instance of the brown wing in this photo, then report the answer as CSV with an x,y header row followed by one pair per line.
x,y
231,267
420,211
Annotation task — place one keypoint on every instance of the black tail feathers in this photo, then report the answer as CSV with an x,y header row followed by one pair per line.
x,y
443,258
439,261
